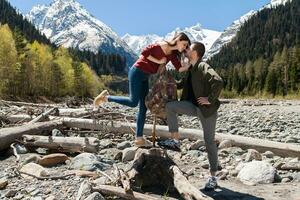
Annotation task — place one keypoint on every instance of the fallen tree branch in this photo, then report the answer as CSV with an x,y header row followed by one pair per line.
x,y
106,175
10,135
44,115
187,190
29,104
117,191
63,144
15,152
123,179
47,177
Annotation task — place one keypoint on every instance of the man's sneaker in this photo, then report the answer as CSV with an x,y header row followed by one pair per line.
x,y
170,144
211,183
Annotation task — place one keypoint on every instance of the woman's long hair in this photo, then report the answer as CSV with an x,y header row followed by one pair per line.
x,y
178,37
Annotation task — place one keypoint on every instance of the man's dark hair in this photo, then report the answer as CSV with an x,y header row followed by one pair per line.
x,y
199,48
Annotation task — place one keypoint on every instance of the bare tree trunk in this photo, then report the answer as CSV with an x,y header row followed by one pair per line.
x,y
280,149
153,167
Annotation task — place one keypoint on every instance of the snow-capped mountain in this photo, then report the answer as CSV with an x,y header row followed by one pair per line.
x,y
275,3
195,33
230,32
138,43
67,23
213,40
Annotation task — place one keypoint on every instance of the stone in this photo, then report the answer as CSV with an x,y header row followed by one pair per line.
x,y
128,154
205,165
95,196
290,139
253,155
10,193
123,145
53,159
105,143
37,198
103,180
51,198
268,154
257,172
240,166
222,175
21,149
226,144
32,159
118,156
296,177
84,190
233,173
18,197
196,145
291,166
285,180
87,162
34,169
3,183
278,164
234,150
57,133
193,153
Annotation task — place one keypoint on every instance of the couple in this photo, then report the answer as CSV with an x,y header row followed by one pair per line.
x,y
201,89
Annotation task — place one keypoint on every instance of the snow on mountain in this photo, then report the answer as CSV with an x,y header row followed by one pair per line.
x,y
195,33
138,43
67,23
275,3
230,32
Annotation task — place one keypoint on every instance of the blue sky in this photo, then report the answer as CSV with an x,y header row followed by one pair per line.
x,y
160,16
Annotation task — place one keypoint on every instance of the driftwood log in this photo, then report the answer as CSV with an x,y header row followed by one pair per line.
x,y
63,144
44,116
10,135
278,148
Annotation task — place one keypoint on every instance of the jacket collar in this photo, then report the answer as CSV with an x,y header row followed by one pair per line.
x,y
196,64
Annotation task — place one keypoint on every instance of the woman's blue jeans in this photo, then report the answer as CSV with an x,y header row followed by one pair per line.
x,y
138,90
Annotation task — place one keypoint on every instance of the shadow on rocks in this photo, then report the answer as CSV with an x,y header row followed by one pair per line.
x,y
222,193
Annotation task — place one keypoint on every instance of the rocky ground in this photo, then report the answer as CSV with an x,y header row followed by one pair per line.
x,y
245,174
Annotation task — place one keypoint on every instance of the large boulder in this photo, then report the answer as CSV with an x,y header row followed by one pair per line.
x,y
257,172
128,154
87,162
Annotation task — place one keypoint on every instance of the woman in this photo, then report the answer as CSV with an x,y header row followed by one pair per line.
x,y
151,58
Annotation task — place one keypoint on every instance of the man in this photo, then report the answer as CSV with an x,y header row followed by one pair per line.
x,y
201,89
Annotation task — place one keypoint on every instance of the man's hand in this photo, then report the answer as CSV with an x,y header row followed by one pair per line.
x,y
203,101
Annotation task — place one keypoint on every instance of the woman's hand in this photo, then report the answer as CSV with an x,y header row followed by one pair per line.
x,y
185,66
163,60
